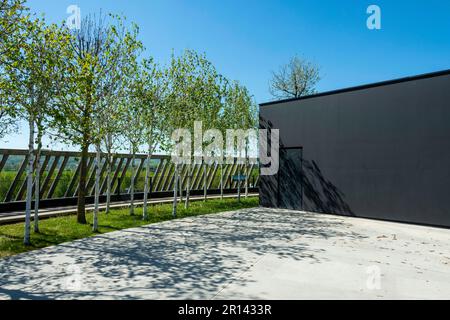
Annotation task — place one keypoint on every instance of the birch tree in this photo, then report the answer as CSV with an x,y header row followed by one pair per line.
x,y
241,113
197,94
119,79
222,124
247,116
133,129
13,15
124,51
149,96
31,73
112,140
133,126
96,53
182,110
210,102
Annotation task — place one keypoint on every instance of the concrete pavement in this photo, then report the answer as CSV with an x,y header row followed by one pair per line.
x,y
249,254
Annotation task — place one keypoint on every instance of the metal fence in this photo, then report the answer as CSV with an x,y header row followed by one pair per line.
x,y
60,174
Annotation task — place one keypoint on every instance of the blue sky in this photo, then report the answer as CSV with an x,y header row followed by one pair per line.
x,y
248,39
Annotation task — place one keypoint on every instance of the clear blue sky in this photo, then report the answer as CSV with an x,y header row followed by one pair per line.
x,y
248,39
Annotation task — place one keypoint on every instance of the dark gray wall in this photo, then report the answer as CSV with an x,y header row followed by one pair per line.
x,y
382,152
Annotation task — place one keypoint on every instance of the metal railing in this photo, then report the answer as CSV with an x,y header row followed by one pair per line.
x,y
60,174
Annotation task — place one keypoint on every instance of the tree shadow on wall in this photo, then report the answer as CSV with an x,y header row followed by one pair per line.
x,y
319,194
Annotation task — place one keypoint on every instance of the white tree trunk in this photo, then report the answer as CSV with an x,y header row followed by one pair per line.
x,y
37,181
188,187
132,182
175,193
246,173
246,181
97,188
221,181
239,183
26,239
108,183
146,185
205,184
180,187
108,170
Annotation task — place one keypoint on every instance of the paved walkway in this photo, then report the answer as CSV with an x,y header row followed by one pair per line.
x,y
249,254
19,216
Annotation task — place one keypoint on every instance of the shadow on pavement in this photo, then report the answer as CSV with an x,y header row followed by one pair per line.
x,y
193,258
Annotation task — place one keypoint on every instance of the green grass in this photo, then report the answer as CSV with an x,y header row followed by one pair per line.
x,y
63,229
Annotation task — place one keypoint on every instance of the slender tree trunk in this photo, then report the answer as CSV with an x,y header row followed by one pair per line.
x,y
221,181
188,186
146,184
97,188
205,184
175,193
26,239
37,181
180,187
239,183
108,170
81,205
246,173
108,182
132,181
246,181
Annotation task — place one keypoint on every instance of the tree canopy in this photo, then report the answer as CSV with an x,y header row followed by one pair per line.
x,y
96,86
297,78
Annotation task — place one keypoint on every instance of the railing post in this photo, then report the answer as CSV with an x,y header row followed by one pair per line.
x,y
159,181
119,182
151,185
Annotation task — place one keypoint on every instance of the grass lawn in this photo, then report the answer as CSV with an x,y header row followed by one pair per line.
x,y
63,229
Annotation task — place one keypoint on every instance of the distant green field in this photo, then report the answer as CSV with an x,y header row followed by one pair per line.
x,y
7,177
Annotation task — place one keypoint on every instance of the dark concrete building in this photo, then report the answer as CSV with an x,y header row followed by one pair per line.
x,y
378,151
